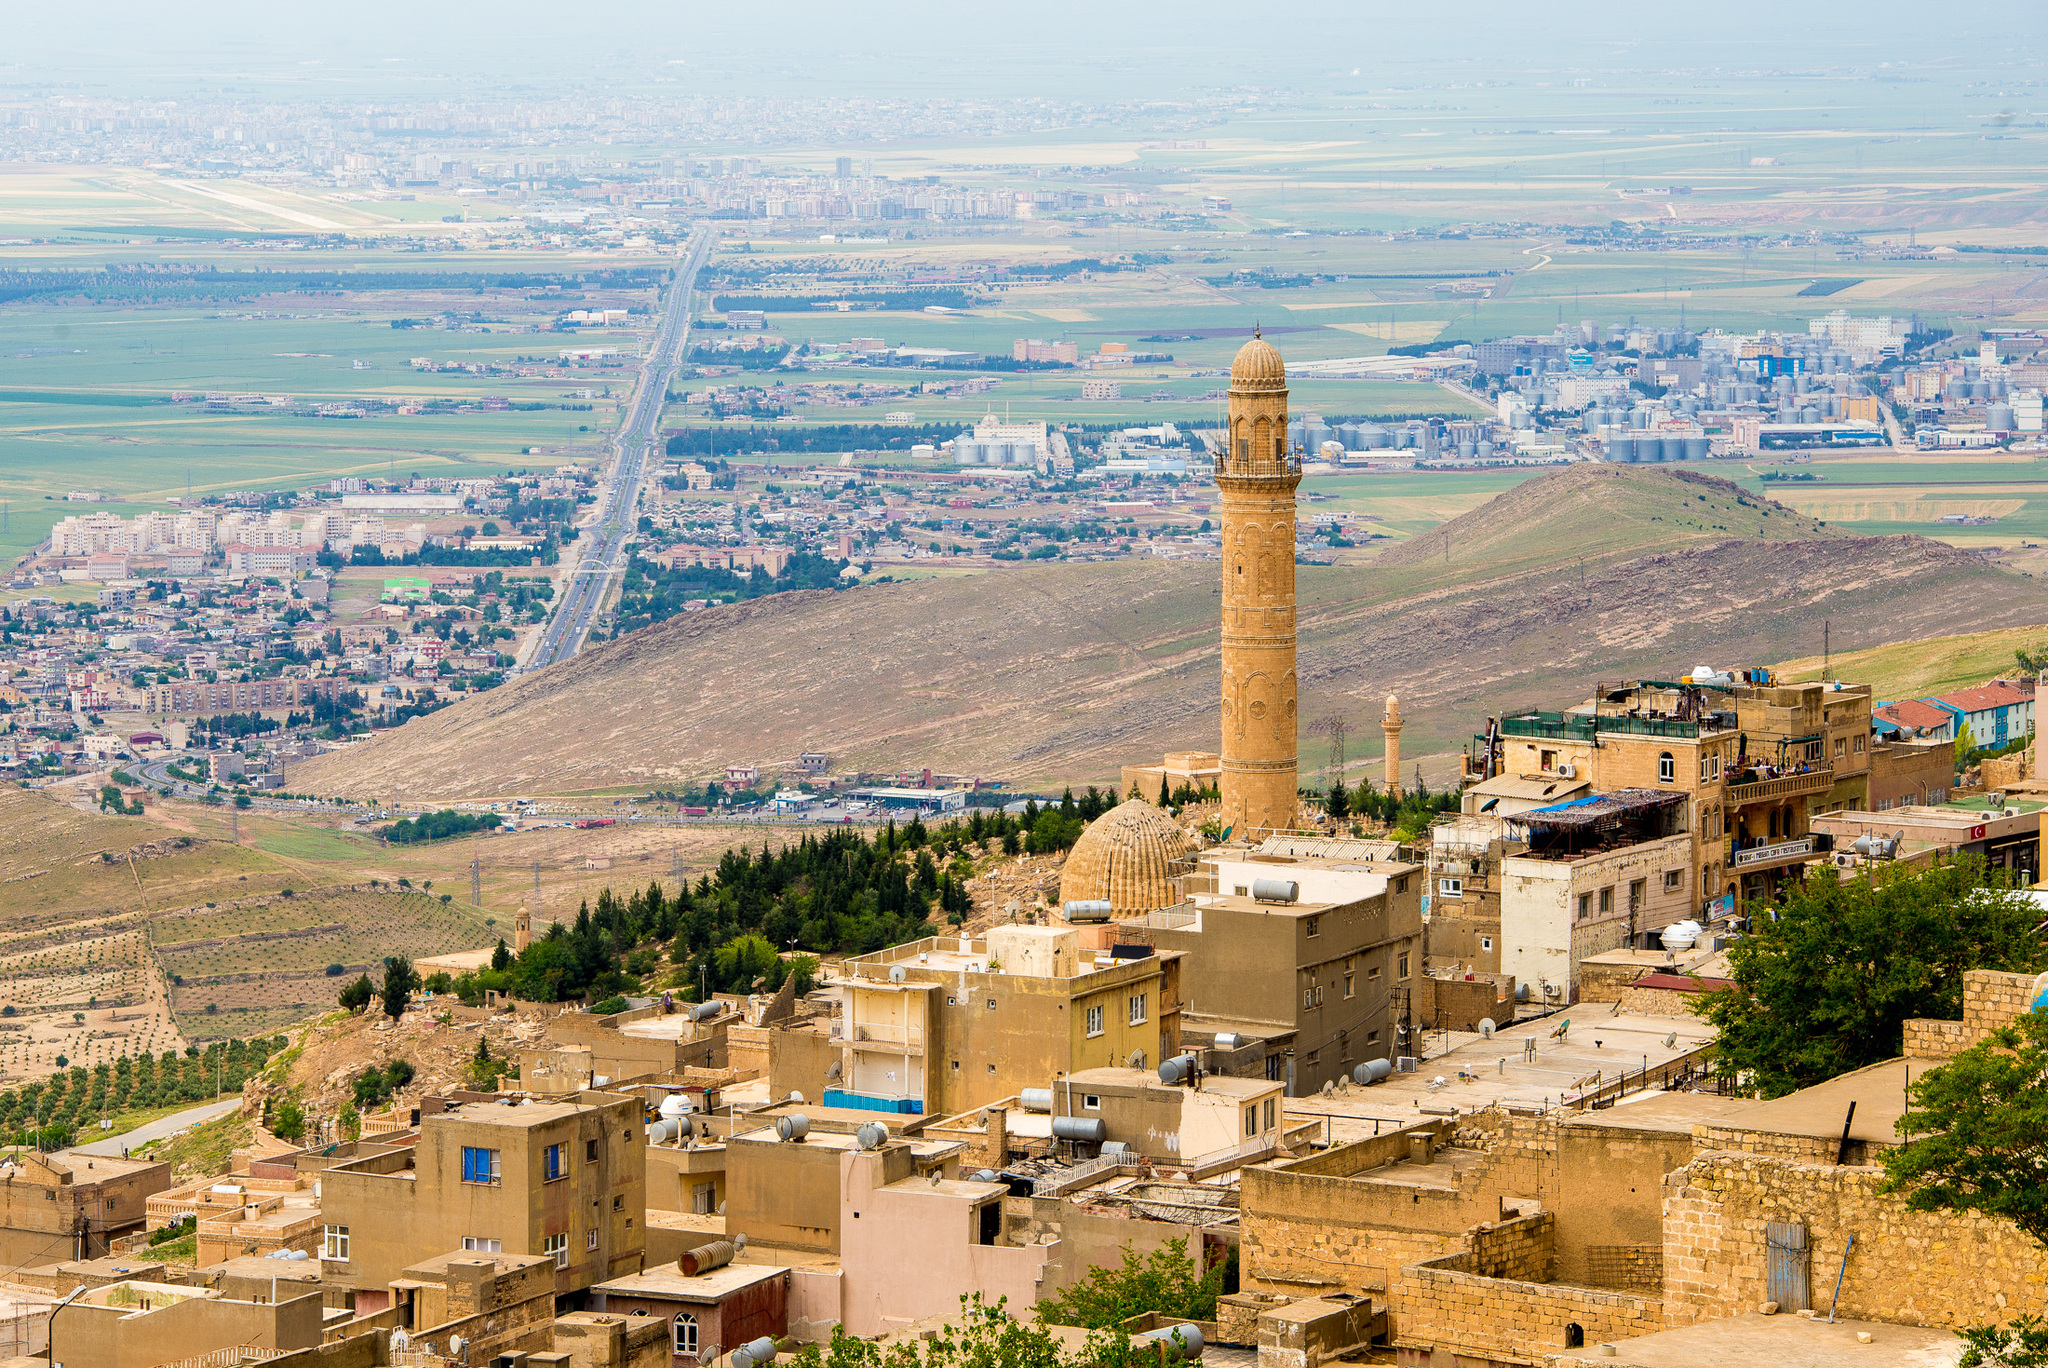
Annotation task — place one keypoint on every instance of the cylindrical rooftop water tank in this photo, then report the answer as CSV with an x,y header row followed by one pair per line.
x,y
871,1135
794,1126
1088,910
1177,1069
706,1257
754,1353
1035,1099
704,1011
1275,890
1183,1342
1088,1128
1372,1071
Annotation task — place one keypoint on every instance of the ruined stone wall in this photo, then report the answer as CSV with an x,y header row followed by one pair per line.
x,y
1664,1002
1908,1268
1451,1310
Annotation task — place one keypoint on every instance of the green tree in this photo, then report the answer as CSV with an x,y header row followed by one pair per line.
x,y
2021,1344
1827,979
290,1122
1978,1131
1165,1281
1165,797
501,958
741,960
401,981
357,995
1337,803
1966,742
349,1121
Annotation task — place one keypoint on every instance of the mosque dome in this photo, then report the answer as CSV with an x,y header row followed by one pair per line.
x,y
1258,367
1126,856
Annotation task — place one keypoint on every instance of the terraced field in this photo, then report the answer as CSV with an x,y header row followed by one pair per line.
x,y
253,967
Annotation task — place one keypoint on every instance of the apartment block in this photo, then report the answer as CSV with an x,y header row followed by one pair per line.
x,y
946,1023
561,1178
1306,952
69,1205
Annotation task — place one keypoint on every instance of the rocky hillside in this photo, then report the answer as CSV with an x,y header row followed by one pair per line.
x,y
1063,673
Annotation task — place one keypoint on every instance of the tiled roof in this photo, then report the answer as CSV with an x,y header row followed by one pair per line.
x,y
1914,714
1997,694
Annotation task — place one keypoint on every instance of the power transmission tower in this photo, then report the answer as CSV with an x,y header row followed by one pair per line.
x,y
676,868
476,881
536,883
1337,750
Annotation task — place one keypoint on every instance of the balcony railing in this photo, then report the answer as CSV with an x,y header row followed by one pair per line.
x,y
1784,786
889,1036
1774,853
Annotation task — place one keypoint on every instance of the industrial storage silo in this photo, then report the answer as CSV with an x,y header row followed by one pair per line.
x,y
1697,447
1998,418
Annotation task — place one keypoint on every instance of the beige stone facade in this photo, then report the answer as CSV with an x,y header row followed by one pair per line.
x,y
1256,476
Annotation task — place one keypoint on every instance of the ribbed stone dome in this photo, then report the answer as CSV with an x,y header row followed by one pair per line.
x,y
1127,856
1258,367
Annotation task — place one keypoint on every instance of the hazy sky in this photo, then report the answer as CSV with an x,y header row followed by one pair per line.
x,y
1099,49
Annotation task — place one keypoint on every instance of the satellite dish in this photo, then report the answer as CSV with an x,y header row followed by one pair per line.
x,y
1136,1061
1487,1028
1226,833
834,1070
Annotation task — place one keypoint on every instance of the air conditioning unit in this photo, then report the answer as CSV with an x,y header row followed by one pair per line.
x,y
1551,990
1568,771
1844,860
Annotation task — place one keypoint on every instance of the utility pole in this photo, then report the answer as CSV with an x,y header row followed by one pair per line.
x,y
536,883
476,881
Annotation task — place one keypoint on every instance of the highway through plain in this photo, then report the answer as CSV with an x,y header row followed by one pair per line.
x,y
583,592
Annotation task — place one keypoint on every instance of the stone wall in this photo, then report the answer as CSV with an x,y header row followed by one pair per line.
x,y
1907,1268
1664,1002
1519,1249
1991,999
1812,1149
1452,1310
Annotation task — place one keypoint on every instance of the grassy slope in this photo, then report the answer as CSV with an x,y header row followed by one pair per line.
x,y
1917,669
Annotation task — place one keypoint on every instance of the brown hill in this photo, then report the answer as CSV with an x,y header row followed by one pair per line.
x,y
1063,673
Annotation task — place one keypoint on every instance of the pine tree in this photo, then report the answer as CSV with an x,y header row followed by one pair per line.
x,y
1165,798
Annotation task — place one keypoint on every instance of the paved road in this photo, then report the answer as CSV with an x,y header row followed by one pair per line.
x,y
606,538
157,1130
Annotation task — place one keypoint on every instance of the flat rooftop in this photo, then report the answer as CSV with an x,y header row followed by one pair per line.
x,y
528,1112
1480,1072
668,1281
1218,1084
836,1140
1879,1092
1756,1341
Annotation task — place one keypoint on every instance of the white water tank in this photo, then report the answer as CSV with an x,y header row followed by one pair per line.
x,y
1681,935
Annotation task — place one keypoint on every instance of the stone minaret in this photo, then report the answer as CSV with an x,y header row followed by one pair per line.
x,y
1257,476
1390,725
522,930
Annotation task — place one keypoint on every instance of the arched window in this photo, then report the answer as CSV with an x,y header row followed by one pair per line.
x,y
1667,769
686,1335
1262,435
